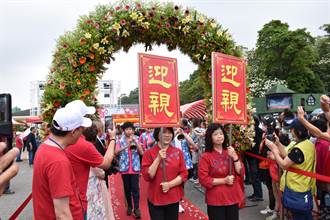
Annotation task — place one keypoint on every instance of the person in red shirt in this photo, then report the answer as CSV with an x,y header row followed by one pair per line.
x,y
19,145
223,192
54,190
83,155
164,195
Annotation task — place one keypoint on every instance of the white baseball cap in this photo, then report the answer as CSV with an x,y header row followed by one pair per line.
x,y
69,119
81,107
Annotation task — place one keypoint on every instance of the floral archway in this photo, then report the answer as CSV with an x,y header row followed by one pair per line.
x,y
80,56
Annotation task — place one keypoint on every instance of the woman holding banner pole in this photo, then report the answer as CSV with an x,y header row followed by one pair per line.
x,y
164,197
223,192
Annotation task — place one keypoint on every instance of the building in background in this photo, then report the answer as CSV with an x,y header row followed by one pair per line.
x,y
37,89
108,93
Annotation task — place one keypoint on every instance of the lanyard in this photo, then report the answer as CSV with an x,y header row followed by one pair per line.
x,y
52,140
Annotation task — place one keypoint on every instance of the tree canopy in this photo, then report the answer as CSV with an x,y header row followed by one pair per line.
x,y
191,89
322,67
288,55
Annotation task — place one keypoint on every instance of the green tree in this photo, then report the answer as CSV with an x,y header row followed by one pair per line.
x,y
132,98
258,82
16,109
288,55
322,67
191,89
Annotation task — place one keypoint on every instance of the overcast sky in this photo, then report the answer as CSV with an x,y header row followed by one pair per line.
x,y
29,30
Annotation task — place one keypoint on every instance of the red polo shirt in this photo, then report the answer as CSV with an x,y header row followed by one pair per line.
x,y
82,156
215,165
53,178
175,165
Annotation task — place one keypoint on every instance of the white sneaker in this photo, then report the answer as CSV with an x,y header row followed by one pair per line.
x,y
272,217
266,211
181,209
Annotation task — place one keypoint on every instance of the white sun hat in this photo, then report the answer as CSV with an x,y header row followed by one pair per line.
x,y
69,119
80,106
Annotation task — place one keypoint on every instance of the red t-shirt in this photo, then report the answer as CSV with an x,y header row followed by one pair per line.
x,y
322,152
53,178
215,165
82,156
19,142
327,163
175,165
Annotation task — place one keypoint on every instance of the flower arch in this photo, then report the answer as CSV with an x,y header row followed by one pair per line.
x,y
80,56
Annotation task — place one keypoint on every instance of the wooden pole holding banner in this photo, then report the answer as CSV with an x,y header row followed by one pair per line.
x,y
229,92
163,160
158,95
230,142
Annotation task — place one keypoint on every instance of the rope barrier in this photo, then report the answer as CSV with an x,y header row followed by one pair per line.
x,y
20,208
298,171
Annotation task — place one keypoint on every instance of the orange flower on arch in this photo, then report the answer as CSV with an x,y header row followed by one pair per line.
x,y
87,92
82,60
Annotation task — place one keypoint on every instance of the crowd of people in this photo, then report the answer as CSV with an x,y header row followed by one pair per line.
x,y
72,166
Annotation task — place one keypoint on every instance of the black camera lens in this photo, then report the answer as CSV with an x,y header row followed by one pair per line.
x,y
270,137
180,137
133,146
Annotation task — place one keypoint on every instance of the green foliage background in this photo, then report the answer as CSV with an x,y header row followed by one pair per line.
x,y
80,55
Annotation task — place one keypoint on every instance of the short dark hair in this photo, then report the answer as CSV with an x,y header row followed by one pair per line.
x,y
90,133
32,128
320,123
157,131
184,122
300,131
57,132
196,122
127,124
208,136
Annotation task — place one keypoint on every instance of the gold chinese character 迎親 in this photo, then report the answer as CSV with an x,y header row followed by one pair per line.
x,y
154,102
229,70
159,102
157,75
230,100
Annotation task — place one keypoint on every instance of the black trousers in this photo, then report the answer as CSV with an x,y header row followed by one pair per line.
x,y
267,179
131,188
164,212
223,212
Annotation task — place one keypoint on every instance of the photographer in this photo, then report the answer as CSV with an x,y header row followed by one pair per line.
x,y
129,151
300,156
268,127
5,160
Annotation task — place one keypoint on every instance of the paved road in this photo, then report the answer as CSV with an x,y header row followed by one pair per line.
x,y
22,183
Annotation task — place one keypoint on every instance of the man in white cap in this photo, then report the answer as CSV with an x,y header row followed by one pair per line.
x,y
54,188
83,155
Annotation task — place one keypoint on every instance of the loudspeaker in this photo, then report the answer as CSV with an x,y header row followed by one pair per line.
x,y
6,126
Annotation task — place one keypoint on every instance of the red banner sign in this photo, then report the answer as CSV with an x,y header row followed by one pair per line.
x,y
159,92
228,89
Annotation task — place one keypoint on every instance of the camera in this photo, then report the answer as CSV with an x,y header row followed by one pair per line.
x,y
6,126
180,137
133,145
270,123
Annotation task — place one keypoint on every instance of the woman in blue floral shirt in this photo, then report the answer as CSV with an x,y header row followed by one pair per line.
x,y
129,151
